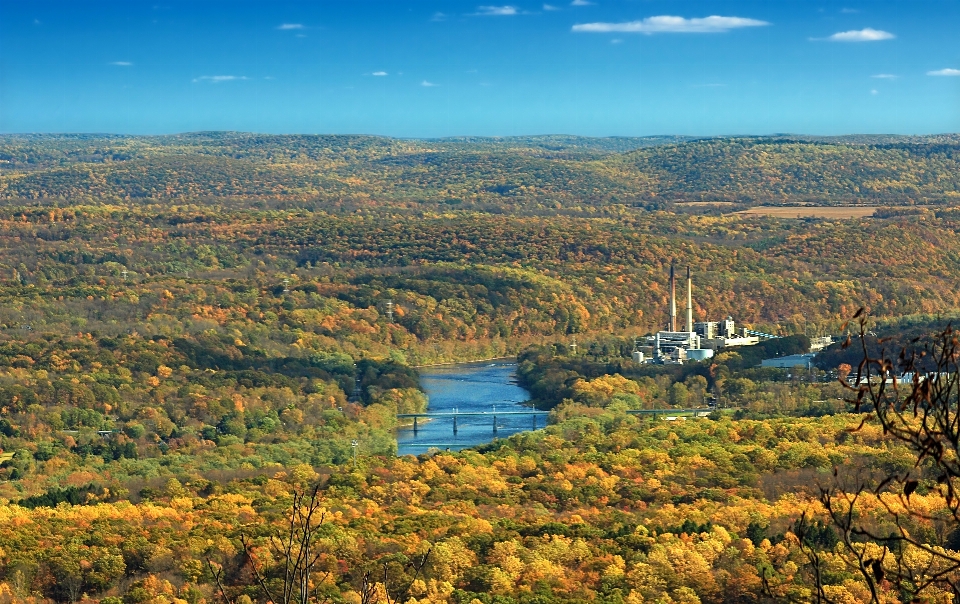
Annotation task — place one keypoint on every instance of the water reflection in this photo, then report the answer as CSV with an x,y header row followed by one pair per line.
x,y
471,387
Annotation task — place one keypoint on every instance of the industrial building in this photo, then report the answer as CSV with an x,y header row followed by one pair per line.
x,y
698,341
790,361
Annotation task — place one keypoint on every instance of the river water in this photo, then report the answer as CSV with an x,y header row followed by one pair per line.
x,y
485,386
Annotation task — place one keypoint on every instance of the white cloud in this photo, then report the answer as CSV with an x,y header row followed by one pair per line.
x,y
849,11
427,84
219,79
286,26
885,76
874,91
670,24
616,41
496,11
862,35
550,7
581,3
438,17
379,73
944,72
122,63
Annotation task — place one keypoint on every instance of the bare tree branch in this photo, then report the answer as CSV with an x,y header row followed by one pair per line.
x,y
915,399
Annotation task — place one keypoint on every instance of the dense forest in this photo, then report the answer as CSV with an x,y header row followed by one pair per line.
x,y
523,172
194,331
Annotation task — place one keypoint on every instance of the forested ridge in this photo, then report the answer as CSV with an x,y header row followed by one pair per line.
x,y
528,172
194,332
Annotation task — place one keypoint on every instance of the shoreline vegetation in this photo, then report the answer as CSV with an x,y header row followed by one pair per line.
x,y
464,362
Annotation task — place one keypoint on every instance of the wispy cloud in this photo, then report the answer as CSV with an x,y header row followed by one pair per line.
x,y
122,63
219,79
861,35
438,17
427,84
379,74
581,3
945,72
874,91
496,11
288,26
885,76
670,24
849,11
550,7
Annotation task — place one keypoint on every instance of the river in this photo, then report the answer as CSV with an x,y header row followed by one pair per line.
x,y
469,387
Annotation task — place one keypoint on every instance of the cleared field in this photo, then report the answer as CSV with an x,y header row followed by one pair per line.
x,y
812,211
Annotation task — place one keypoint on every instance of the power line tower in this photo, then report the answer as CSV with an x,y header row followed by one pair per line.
x,y
573,346
286,286
124,274
390,311
357,392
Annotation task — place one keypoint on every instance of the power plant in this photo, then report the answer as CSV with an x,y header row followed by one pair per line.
x,y
698,341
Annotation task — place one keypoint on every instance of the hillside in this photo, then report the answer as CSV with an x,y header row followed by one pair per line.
x,y
783,170
510,173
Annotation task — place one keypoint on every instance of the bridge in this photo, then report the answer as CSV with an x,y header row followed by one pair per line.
x,y
455,415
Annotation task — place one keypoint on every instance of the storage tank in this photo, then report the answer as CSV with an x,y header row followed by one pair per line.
x,y
701,354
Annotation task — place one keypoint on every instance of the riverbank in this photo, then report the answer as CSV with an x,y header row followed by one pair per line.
x,y
408,423
512,356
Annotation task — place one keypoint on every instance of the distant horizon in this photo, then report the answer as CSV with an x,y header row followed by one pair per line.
x,y
480,136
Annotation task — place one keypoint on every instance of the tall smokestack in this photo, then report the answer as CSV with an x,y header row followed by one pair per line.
x,y
673,299
689,302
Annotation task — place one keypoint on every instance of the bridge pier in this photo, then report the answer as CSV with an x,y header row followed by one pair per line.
x,y
494,424
534,422
454,425
414,426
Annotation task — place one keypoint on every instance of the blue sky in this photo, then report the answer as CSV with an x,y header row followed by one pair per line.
x,y
494,67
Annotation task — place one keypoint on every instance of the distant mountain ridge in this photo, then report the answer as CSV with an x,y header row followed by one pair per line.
x,y
522,171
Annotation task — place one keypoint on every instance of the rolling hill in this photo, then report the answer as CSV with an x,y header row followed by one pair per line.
x,y
516,172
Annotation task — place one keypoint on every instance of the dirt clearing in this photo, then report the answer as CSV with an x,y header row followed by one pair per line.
x,y
812,211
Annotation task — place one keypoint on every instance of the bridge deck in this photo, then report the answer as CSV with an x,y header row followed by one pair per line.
x,y
471,413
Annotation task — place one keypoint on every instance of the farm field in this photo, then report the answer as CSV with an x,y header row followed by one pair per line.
x,y
811,211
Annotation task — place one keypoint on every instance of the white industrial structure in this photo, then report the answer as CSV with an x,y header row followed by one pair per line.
x,y
698,341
